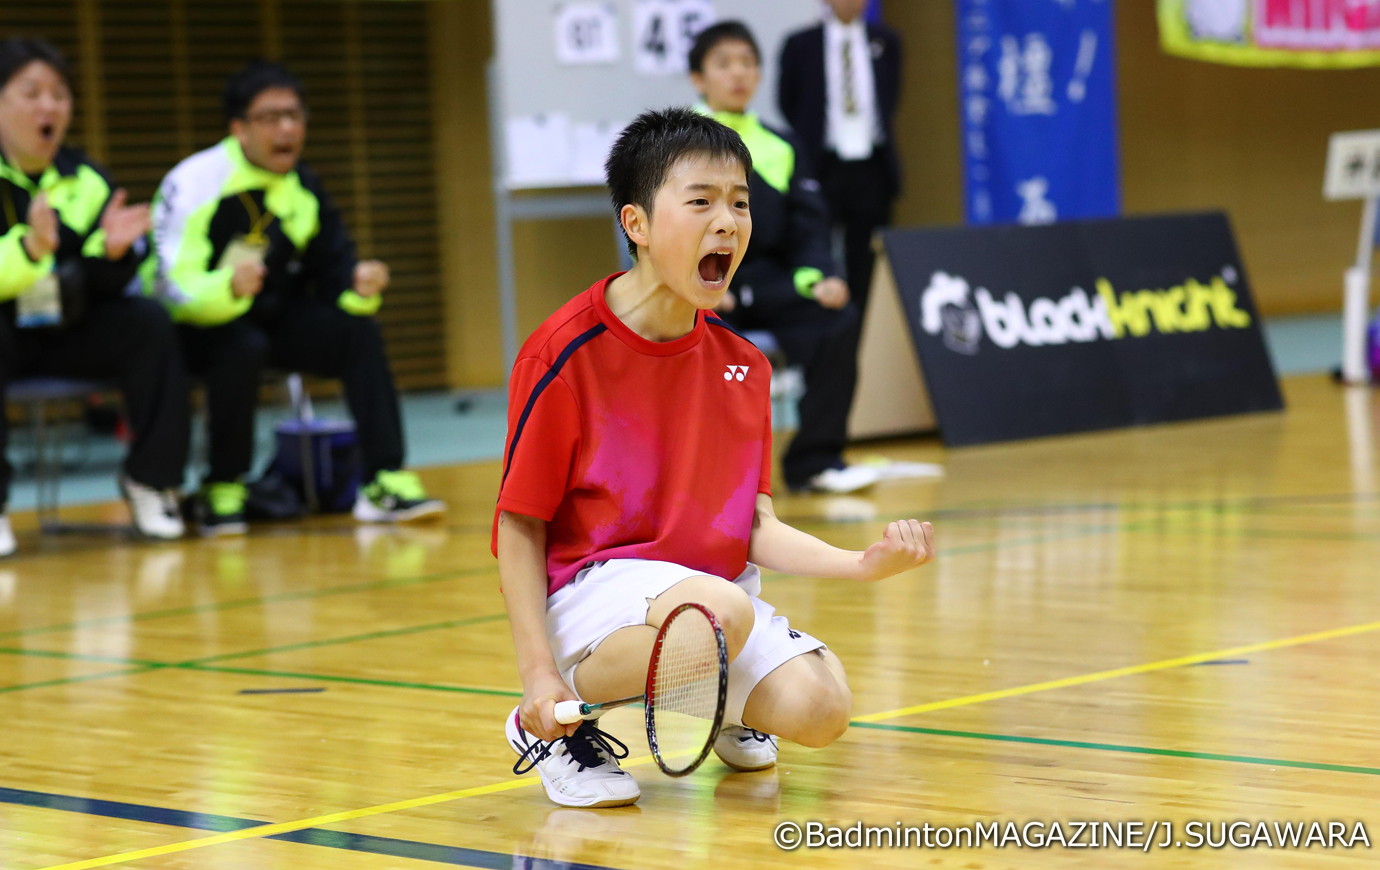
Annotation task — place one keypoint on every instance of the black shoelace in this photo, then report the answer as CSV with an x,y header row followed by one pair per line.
x,y
586,746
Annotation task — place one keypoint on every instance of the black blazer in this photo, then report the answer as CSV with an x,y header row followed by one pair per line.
x,y
801,90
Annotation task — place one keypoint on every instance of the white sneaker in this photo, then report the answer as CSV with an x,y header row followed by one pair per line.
x,y
744,749
578,771
396,497
840,481
155,511
7,542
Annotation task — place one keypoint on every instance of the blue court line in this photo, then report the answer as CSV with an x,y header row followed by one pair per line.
x,y
417,851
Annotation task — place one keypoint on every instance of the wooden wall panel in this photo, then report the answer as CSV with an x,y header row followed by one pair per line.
x,y
55,21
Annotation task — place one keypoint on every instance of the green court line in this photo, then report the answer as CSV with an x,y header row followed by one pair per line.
x,y
364,681
66,681
203,664
357,638
79,657
251,602
1163,524
997,509
1179,529
1080,532
197,665
1114,747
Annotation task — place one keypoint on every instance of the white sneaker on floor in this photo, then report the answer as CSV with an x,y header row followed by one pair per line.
x,y
840,481
396,497
155,511
7,542
744,749
578,771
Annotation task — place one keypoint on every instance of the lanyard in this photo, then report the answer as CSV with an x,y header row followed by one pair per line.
x,y
259,220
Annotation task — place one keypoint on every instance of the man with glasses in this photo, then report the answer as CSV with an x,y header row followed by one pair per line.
x,y
254,261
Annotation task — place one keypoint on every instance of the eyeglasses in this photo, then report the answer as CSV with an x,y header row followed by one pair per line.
x,y
274,117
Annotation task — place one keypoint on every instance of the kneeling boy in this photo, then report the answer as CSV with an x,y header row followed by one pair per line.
x,y
637,476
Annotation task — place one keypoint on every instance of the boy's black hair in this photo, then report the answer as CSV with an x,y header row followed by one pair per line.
x,y
253,79
18,52
653,143
724,31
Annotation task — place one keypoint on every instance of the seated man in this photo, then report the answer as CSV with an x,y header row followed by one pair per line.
x,y
788,283
68,247
254,261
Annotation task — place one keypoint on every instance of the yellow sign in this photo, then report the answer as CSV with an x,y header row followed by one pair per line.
x,y
1320,34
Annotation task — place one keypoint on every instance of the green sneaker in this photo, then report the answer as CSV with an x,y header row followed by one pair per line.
x,y
395,497
219,509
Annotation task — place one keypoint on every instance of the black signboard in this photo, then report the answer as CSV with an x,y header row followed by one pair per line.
x,y
1030,331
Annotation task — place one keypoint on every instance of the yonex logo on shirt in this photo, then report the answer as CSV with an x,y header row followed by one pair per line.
x,y
736,373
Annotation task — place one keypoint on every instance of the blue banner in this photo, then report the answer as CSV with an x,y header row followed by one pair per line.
x,y
1038,99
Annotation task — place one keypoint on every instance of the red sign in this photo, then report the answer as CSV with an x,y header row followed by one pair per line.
x,y
1318,25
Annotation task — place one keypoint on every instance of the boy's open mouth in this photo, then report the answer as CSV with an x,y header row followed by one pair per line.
x,y
46,131
714,267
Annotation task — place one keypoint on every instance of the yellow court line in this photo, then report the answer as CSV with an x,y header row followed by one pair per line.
x,y
284,827
315,822
1120,672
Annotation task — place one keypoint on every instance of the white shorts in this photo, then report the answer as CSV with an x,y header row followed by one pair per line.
x,y
607,596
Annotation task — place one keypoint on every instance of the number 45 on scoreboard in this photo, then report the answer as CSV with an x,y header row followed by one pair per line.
x,y
664,30
662,33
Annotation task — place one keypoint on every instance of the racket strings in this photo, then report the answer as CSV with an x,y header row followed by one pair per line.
x,y
687,676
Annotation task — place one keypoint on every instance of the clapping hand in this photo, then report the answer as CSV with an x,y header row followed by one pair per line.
x,y
123,225
42,237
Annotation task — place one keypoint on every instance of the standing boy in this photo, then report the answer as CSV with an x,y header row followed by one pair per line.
x,y
788,284
637,477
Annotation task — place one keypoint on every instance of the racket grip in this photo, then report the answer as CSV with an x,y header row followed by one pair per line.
x,y
569,711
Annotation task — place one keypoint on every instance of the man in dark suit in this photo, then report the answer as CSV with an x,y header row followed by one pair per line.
x,y
838,88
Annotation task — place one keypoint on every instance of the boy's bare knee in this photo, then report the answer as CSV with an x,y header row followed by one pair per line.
x,y
732,607
827,719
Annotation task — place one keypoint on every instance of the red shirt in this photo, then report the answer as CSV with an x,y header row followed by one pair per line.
x,y
637,449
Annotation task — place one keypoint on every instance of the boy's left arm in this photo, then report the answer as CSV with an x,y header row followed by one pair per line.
x,y
904,545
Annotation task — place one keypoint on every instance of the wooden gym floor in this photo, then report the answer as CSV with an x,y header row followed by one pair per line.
x,y
1175,624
